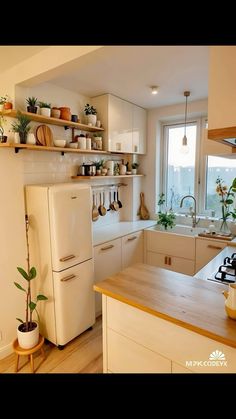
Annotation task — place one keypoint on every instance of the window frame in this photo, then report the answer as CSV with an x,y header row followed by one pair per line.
x,y
164,152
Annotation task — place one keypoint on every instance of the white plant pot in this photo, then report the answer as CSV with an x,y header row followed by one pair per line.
x,y
134,171
45,111
92,119
28,340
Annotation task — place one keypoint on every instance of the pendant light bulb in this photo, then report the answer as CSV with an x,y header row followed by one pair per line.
x,y
185,148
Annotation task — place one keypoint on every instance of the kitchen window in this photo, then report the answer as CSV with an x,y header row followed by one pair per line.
x,y
180,171
188,172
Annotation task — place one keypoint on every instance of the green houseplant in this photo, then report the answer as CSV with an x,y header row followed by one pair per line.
x,y
91,114
3,138
21,126
134,168
45,108
32,104
226,199
165,218
28,330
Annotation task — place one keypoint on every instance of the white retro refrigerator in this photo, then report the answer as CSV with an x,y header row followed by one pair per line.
x,y
60,241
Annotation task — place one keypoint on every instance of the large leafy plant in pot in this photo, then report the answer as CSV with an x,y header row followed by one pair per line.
x,y
28,330
21,126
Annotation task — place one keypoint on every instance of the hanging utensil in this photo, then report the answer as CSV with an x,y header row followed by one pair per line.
x,y
118,201
101,209
115,203
95,213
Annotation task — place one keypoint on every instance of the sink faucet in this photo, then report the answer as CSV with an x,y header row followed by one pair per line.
x,y
194,213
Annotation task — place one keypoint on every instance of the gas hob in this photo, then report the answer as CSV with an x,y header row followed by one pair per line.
x,y
226,272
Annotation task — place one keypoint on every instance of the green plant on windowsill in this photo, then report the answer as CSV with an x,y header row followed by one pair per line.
x,y
165,218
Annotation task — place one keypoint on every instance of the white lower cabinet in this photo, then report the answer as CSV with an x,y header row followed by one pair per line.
x,y
132,249
179,369
170,251
126,356
207,250
137,341
113,256
173,263
107,261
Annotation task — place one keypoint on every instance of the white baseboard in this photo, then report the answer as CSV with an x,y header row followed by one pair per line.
x,y
6,350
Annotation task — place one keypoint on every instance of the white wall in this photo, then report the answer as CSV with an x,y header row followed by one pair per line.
x,y
31,167
150,164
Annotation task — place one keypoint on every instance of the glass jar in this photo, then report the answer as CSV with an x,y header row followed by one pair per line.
x,y
98,143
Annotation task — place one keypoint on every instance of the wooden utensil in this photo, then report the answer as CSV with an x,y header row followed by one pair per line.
x,y
44,136
101,209
114,203
95,213
143,211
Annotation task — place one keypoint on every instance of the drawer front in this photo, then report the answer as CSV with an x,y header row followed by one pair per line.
x,y
171,244
132,249
126,356
207,250
166,338
185,266
107,261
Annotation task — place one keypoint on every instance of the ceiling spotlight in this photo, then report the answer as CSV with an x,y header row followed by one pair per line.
x,y
154,90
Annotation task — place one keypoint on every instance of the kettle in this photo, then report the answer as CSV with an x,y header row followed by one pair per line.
x,y
230,302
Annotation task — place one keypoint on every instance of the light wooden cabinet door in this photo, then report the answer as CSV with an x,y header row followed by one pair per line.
x,y
120,114
173,263
207,250
107,261
139,130
132,249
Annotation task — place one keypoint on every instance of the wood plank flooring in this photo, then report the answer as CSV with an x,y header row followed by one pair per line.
x,y
81,355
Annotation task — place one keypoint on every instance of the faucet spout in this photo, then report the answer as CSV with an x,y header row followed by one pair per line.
x,y
194,214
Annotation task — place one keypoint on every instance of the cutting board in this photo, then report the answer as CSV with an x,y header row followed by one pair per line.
x,y
143,211
44,136
216,236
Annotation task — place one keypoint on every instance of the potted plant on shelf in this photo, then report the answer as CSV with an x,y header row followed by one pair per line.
x,y
45,108
91,114
32,104
5,103
21,126
99,165
3,138
134,168
28,330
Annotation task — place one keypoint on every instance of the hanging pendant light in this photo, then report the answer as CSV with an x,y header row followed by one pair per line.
x,y
185,148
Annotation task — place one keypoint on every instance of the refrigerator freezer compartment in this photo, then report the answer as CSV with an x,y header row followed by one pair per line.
x,y
74,301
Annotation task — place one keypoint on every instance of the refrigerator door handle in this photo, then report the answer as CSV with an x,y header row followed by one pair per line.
x,y
67,258
67,278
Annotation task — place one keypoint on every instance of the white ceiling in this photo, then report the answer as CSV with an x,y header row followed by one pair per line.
x,y
12,55
129,71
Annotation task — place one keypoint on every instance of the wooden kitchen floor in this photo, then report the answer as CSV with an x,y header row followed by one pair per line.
x,y
82,355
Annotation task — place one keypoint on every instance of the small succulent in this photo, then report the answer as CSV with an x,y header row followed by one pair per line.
x,y
32,101
44,105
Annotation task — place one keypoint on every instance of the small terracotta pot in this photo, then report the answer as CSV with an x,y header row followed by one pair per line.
x,y
7,105
55,113
65,113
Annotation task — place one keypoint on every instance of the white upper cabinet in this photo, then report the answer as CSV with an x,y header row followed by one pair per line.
x,y
222,87
124,124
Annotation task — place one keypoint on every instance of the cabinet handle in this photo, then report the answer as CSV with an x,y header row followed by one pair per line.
x,y
169,261
67,258
166,263
67,278
211,246
108,247
131,238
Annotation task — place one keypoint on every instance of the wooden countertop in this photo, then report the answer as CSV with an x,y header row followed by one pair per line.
x,y
195,304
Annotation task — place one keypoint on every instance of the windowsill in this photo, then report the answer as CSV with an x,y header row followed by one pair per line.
x,y
204,221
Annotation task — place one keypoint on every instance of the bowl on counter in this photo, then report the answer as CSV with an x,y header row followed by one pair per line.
x,y
59,143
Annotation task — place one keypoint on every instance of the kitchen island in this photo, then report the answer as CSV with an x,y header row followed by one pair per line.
x,y
155,320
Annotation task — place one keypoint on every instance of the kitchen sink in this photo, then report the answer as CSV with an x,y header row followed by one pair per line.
x,y
180,229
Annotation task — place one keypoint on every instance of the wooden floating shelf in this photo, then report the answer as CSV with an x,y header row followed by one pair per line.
x,y
222,135
103,177
63,150
53,121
